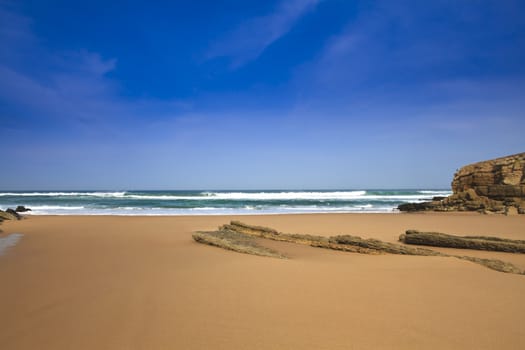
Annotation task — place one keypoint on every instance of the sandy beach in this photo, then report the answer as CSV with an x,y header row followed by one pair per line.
x,y
109,282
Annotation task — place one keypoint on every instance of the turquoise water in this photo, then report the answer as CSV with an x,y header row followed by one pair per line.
x,y
212,202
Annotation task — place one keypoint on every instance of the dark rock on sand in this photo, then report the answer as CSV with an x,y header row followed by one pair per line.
x,y
411,207
239,237
7,215
14,213
437,239
492,186
22,209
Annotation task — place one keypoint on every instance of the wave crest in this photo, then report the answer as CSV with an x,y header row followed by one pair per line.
x,y
64,194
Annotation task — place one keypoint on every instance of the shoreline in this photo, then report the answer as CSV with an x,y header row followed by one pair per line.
x,y
394,212
256,202
141,282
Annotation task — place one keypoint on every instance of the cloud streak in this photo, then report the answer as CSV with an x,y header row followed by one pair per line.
x,y
410,51
252,37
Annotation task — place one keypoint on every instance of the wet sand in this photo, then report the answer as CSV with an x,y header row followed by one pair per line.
x,y
143,283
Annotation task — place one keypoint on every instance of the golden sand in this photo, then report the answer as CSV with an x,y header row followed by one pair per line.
x,y
143,283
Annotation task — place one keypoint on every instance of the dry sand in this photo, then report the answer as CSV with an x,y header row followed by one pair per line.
x,y
143,283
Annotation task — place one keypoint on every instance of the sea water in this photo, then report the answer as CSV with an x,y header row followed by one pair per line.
x,y
8,242
213,202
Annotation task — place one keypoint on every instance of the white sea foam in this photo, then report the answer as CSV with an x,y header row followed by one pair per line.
x,y
55,207
436,192
163,197
127,211
63,194
246,196
397,198
213,203
366,206
291,195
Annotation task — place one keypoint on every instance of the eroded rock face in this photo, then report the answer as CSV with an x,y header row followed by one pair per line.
x,y
497,179
492,186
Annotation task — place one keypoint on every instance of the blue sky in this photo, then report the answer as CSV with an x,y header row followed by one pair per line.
x,y
304,94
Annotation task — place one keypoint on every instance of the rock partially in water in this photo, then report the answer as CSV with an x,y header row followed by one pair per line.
x,y
423,206
492,186
22,209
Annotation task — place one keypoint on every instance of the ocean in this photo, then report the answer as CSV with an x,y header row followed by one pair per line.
x,y
213,202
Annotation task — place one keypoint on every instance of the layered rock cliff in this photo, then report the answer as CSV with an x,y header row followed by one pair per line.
x,y
498,179
496,185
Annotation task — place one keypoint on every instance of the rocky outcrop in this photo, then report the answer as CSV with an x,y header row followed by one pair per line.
x,y
498,179
14,213
6,215
22,209
240,237
437,239
9,214
493,186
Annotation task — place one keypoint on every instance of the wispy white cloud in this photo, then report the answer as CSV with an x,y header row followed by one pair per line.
x,y
251,38
402,54
84,61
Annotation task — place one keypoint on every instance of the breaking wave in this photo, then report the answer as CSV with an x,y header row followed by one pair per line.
x,y
212,202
